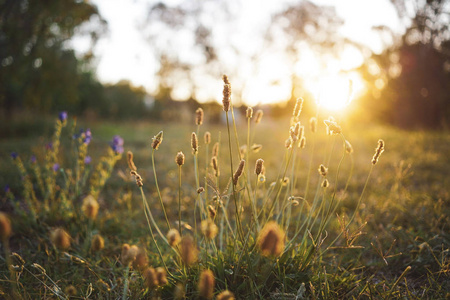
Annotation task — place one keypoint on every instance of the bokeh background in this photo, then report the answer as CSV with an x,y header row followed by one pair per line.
x,y
376,61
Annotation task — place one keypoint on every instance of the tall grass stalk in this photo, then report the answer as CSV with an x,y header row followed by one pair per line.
x,y
157,189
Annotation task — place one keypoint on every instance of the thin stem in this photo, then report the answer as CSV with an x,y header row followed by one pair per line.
x,y
157,189
179,199
125,286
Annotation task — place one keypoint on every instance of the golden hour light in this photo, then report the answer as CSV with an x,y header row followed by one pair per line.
x,y
243,149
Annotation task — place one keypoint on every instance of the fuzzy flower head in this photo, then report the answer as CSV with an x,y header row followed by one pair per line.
x,y
271,240
332,127
87,160
157,140
55,167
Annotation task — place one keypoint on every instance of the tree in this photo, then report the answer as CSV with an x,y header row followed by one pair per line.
x,y
37,69
410,81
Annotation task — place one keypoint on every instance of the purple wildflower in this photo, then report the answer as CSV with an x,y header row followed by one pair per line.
x,y
49,146
87,160
14,155
7,189
62,116
87,136
117,144
55,167
33,159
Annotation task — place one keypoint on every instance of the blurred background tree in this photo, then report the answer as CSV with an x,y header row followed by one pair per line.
x,y
409,82
38,70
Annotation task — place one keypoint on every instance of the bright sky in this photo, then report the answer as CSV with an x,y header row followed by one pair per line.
x,y
124,54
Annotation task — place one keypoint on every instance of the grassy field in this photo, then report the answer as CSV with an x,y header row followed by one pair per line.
x,y
397,245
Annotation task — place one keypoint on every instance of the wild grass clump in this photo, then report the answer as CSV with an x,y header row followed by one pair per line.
x,y
225,218
253,234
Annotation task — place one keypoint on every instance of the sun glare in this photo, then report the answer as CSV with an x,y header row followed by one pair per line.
x,y
335,92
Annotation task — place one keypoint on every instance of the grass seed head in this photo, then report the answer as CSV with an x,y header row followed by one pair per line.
x,y
226,295
70,290
298,107
141,260
332,126
194,143
215,165
60,239
238,172
211,211
179,159
378,151
258,116
259,166
207,137
215,150
200,190
323,170
90,207
188,250
288,143
150,278
206,284
313,124
173,237
325,183
302,142
129,253
209,229
98,243
5,226
256,147
161,276
199,116
249,112
271,240
130,161
157,140
348,147
226,93
103,285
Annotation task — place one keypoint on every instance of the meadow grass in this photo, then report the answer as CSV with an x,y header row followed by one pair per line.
x,y
263,237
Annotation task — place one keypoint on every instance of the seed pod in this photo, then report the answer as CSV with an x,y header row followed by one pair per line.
x,y
173,237
212,212
209,229
130,161
157,140
150,279
325,183
60,238
207,138
226,295
271,240
313,124
259,115
188,250
302,142
298,107
323,170
5,226
378,151
194,143
206,284
179,159
238,172
249,112
259,166
215,165
161,276
90,207
98,243
226,93
199,116
215,150
348,147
